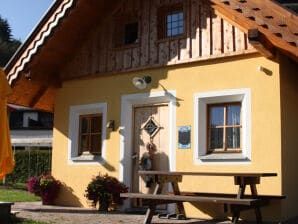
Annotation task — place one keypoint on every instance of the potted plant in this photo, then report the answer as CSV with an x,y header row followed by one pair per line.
x,y
45,186
105,190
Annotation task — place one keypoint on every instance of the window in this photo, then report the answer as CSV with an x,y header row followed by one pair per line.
x,y
171,21
131,33
224,127
87,133
126,32
30,119
90,134
175,25
222,124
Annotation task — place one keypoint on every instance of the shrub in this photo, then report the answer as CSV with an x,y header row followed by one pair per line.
x,y
45,186
29,163
105,190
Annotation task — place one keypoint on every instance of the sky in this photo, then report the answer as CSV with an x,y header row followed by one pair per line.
x,y
23,15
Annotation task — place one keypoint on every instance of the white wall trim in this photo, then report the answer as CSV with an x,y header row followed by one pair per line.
x,y
127,103
201,100
73,132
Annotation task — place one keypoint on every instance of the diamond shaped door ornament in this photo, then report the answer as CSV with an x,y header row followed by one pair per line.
x,y
151,127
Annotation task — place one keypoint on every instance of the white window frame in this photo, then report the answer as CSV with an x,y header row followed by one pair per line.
x,y
73,133
201,101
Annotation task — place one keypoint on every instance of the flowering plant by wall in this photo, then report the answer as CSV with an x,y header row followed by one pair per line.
x,y
45,186
105,190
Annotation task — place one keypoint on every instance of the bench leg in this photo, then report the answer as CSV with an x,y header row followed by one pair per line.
x,y
258,213
180,205
149,213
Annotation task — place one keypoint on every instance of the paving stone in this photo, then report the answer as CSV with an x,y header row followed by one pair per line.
x,y
70,215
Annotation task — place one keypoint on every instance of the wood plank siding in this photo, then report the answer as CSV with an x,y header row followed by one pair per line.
x,y
206,35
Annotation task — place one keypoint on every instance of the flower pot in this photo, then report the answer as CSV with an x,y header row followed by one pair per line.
x,y
47,202
104,206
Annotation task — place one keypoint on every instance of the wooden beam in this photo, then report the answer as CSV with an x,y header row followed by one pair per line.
x,y
246,23
37,96
255,39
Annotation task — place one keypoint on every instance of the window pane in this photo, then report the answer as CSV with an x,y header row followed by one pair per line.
x,y
96,123
180,15
174,32
174,24
233,114
131,33
216,138
84,125
95,143
181,30
233,137
84,144
169,18
175,17
169,33
216,116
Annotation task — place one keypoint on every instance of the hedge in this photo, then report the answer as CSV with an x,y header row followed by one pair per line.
x,y
29,163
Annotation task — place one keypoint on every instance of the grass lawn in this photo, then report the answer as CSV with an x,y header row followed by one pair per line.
x,y
19,195
14,195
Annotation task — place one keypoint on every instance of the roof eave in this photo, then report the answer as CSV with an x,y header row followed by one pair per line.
x,y
32,35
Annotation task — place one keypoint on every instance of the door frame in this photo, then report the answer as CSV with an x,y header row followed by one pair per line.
x,y
126,135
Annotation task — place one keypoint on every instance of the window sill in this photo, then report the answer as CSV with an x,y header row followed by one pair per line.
x,y
126,46
172,38
223,157
87,158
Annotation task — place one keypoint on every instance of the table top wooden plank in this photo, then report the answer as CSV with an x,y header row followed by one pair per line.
x,y
232,174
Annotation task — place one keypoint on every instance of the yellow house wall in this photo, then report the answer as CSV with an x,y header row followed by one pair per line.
x,y
213,75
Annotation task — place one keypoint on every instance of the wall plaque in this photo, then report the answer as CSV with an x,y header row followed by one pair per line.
x,y
184,137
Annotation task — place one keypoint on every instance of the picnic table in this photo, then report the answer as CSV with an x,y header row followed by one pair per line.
x,y
234,203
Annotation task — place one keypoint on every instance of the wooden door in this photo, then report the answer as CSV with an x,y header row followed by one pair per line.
x,y
151,125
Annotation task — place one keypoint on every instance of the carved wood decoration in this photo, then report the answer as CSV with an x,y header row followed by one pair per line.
x,y
206,35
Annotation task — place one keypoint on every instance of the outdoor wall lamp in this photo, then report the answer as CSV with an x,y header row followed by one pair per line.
x,y
141,83
111,125
265,70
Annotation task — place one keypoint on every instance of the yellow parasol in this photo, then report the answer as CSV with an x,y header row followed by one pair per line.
x,y
6,156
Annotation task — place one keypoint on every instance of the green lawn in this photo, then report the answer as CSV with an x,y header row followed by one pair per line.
x,y
18,195
30,222
13,195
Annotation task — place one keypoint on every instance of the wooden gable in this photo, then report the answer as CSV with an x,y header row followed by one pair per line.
x,y
76,39
207,35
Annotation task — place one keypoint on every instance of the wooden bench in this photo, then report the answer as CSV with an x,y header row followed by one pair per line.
x,y
235,204
5,211
168,198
